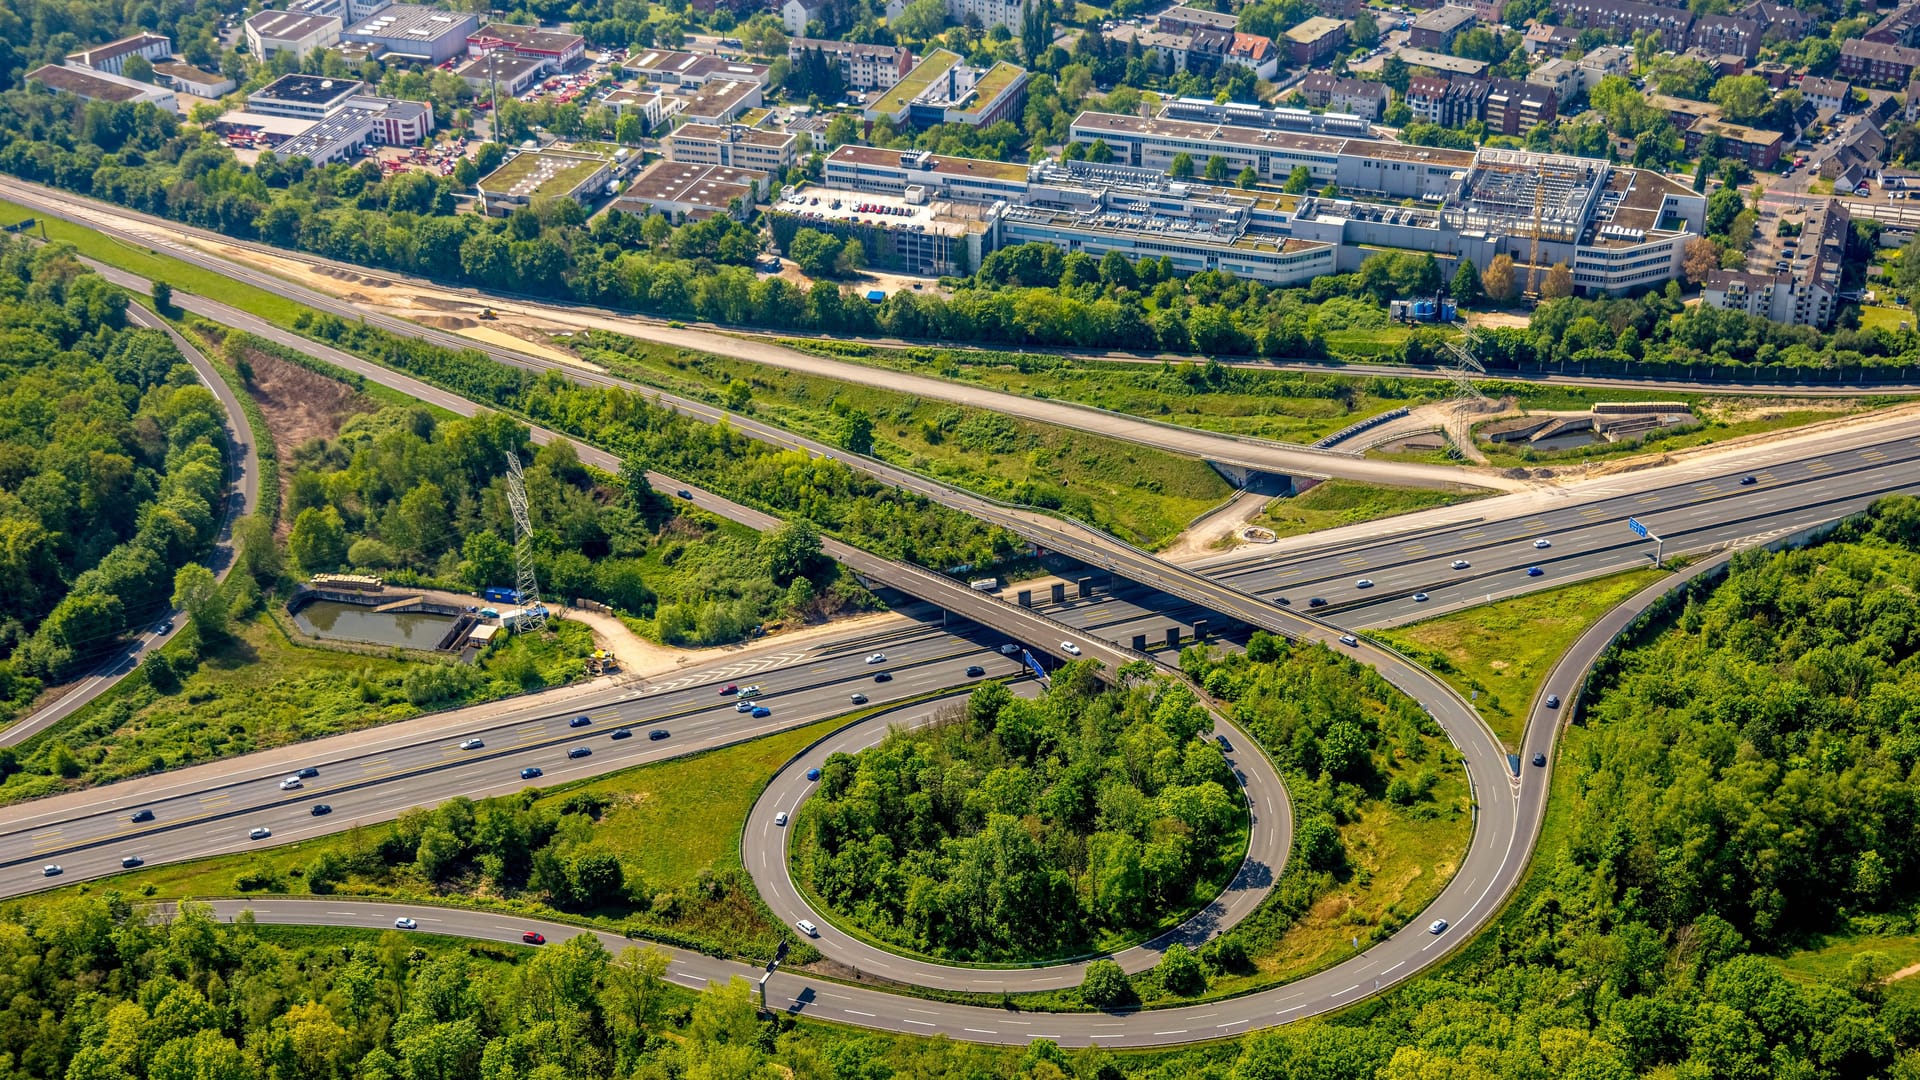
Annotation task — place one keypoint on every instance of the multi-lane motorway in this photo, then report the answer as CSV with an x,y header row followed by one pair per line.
x,y
1584,537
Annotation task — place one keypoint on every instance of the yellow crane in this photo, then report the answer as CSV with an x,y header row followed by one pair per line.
x,y
1533,255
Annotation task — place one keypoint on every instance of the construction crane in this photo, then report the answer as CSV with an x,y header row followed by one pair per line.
x,y
1533,254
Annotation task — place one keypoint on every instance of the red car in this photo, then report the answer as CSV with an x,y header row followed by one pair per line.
x,y
533,938
730,688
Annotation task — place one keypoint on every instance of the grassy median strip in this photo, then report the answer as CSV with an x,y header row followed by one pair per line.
x,y
1333,503
1143,495
155,266
1497,654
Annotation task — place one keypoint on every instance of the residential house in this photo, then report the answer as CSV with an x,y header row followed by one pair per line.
x,y
1436,29
1314,41
1878,63
1361,97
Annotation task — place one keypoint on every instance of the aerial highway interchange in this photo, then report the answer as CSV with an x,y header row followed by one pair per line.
x,y
1437,561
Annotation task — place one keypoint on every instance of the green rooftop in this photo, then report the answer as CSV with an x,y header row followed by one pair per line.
x,y
535,176
991,85
914,83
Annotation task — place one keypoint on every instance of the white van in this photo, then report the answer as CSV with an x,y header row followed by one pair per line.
x,y
290,783
808,928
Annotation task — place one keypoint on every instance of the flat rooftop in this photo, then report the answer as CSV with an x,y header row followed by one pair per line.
x,y
528,38
307,89
719,96
411,23
738,133
1314,29
1443,18
890,212
1457,65
1266,138
190,74
914,83
541,174
84,82
991,85
499,65
712,186
290,25
946,166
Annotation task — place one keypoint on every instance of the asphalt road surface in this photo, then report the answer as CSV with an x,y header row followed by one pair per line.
x,y
243,476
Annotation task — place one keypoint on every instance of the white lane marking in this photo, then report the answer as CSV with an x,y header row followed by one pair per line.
x,y
922,1012
1182,1031
1022,1023
922,1023
980,1031
1395,968
1348,990
340,913
1230,1023
855,1012
697,984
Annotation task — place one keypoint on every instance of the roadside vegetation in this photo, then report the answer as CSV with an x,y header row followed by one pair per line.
x,y
1287,406
256,687
828,493
112,470
1140,494
1496,655
1333,503
1021,830
652,850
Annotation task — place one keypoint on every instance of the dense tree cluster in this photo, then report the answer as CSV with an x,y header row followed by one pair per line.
x,y
1023,828
111,466
402,494
823,491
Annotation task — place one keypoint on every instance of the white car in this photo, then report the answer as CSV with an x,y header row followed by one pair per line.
x,y
808,928
1363,583
51,870
472,744
877,658
1437,926
780,818
290,783
404,923
1009,650
1543,542
1461,564
1070,648
260,833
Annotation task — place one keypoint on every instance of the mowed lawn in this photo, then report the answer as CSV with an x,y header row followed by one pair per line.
x,y
1333,503
1497,654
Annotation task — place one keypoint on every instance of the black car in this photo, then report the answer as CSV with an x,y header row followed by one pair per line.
x,y
1318,601
685,494
1224,744
1539,759
884,676
131,861
308,773
657,734
976,671
530,772
321,810
622,733
1553,701
579,751
1745,480
142,815
579,721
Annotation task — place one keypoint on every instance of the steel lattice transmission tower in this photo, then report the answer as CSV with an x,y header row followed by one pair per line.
x,y
533,614
1466,367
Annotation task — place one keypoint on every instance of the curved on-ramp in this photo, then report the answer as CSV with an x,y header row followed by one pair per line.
x,y
1403,955
763,850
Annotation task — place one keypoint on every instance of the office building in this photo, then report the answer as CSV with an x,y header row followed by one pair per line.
x,y
942,89
686,192
111,58
554,50
731,145
188,79
509,74
535,176
307,97
691,71
102,86
721,102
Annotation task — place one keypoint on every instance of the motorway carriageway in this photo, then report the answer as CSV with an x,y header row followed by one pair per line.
x,y
207,815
